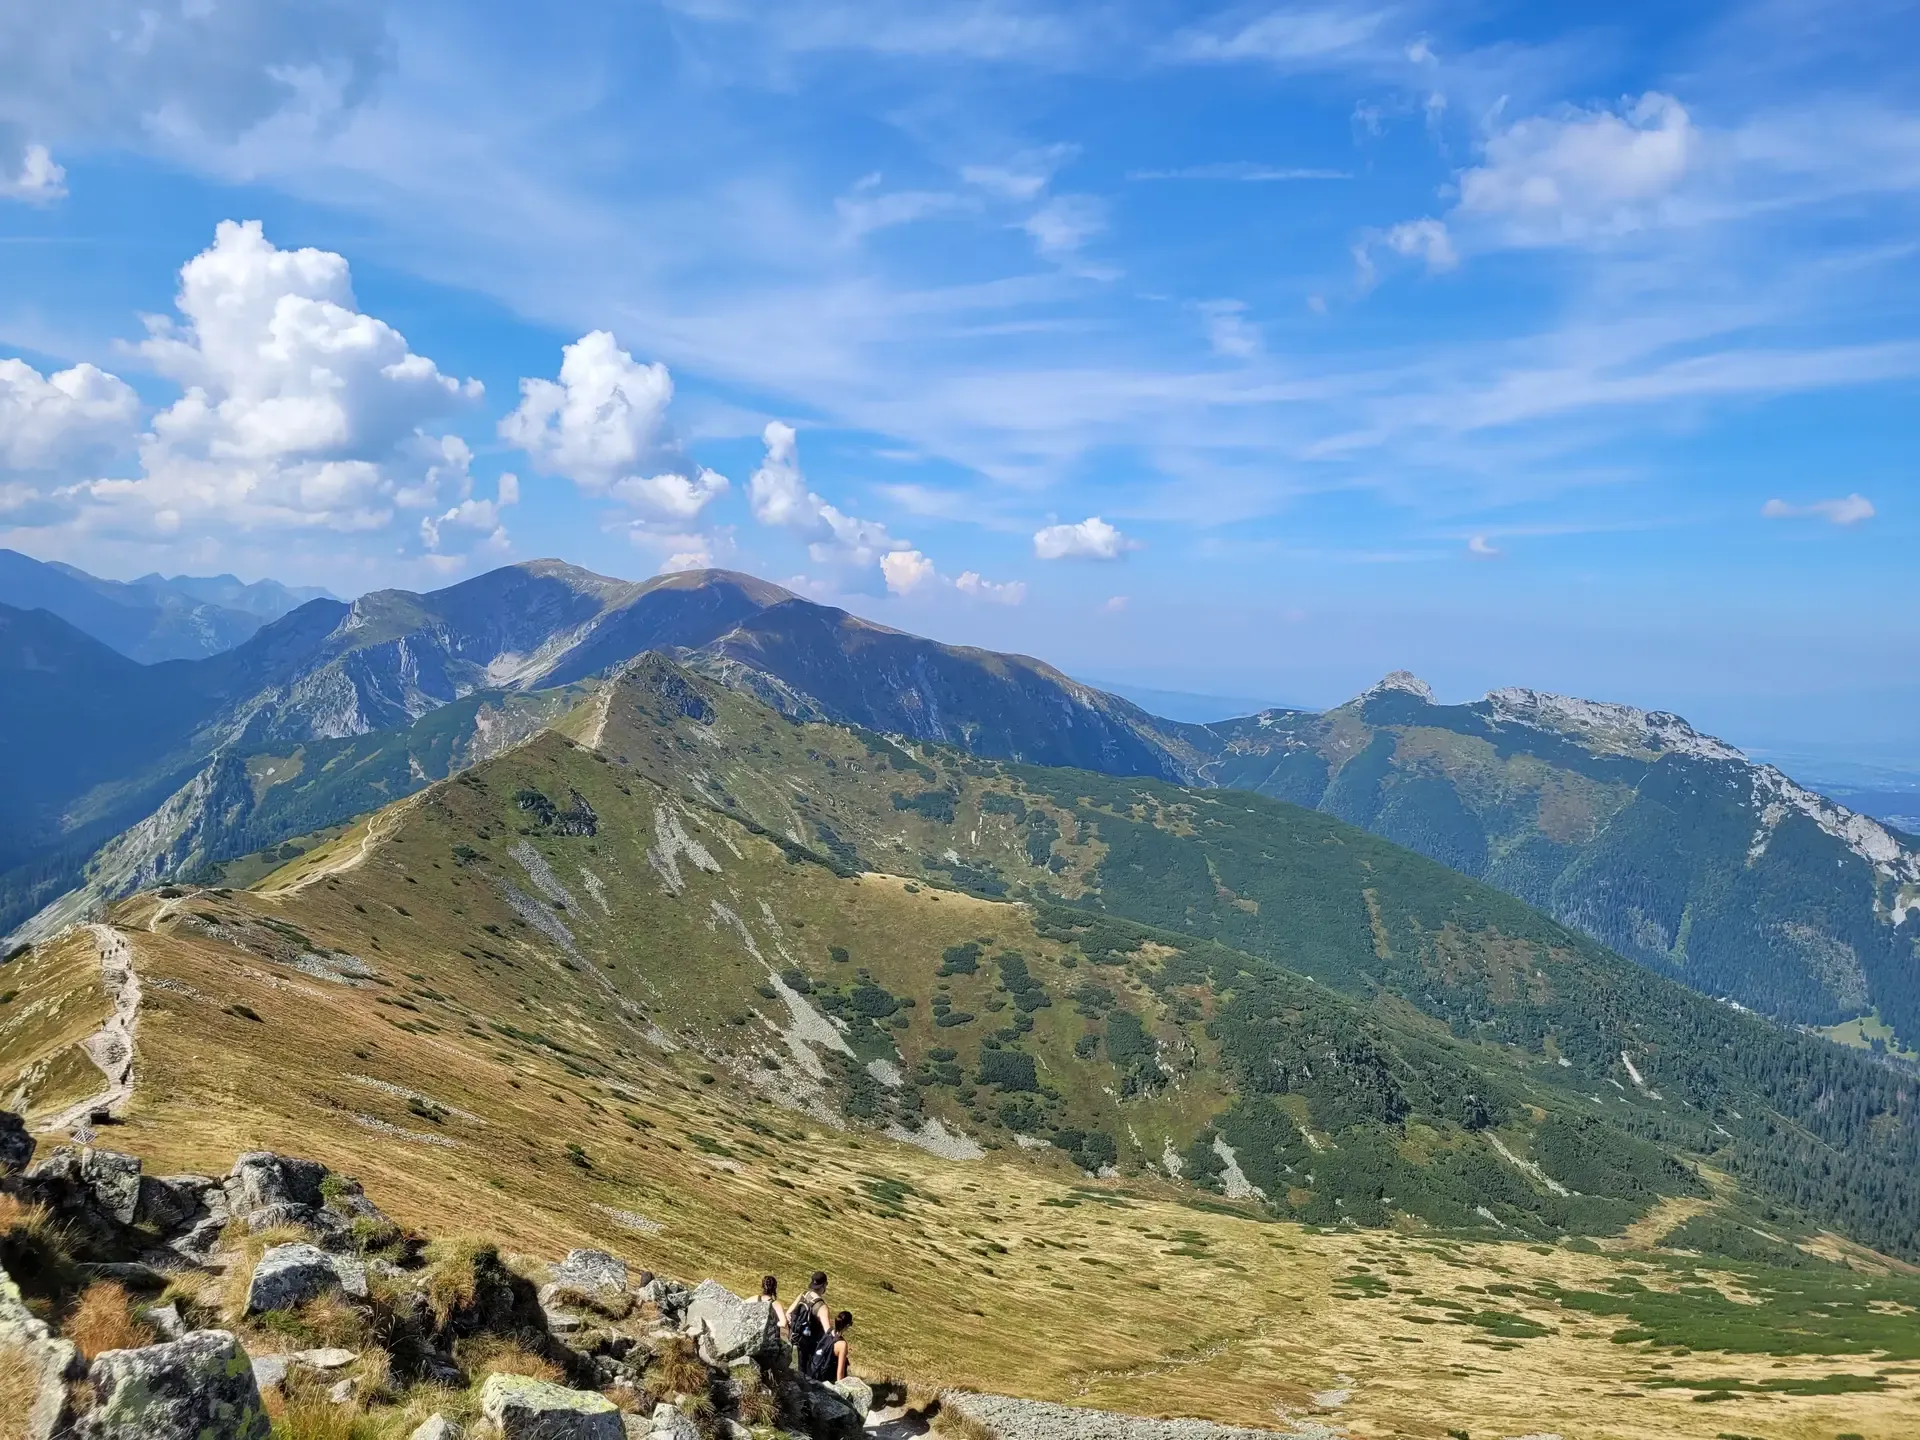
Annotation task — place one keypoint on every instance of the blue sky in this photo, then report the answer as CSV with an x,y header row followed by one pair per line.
x,y
1252,350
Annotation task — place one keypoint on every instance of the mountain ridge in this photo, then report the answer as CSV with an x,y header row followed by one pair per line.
x,y
1663,842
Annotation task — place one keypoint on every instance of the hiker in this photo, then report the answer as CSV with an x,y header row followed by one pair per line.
x,y
770,1297
833,1356
808,1320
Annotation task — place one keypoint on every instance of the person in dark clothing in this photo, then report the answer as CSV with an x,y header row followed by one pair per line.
x,y
832,1358
770,1297
808,1320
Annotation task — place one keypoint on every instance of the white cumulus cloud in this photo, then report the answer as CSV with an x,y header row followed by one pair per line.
x,y
1007,592
1582,173
1842,510
52,421
36,178
604,426
778,495
299,411
1089,539
907,571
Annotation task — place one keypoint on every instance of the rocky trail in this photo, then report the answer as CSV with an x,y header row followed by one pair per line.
x,y
111,1047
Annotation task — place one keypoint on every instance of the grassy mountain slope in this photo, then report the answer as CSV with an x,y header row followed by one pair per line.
x,y
153,754
574,996
1664,844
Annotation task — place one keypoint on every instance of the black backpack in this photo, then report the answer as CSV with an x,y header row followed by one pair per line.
x,y
822,1364
803,1323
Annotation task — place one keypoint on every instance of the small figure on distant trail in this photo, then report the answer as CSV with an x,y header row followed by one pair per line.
x,y
808,1321
770,1297
833,1356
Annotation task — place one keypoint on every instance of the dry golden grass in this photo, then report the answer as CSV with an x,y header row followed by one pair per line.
x,y
102,1319
484,1355
19,1384
676,1370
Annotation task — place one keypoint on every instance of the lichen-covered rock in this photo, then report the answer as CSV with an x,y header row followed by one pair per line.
x,y
857,1393
16,1145
26,1341
200,1387
290,1275
436,1427
728,1327
523,1408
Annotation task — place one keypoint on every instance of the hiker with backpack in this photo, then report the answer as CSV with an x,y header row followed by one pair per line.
x,y
809,1321
770,1297
832,1357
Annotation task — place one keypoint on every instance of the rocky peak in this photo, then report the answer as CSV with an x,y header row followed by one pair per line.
x,y
1404,681
1603,725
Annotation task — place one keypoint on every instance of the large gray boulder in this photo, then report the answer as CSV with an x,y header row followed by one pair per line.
x,y
88,1185
49,1362
199,1387
114,1180
260,1178
728,1327
597,1276
16,1145
171,1203
290,1275
523,1408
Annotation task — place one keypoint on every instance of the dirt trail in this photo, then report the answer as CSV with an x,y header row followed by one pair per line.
x,y
111,1046
378,829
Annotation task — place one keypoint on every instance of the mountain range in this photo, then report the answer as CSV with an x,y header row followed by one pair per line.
x,y
155,617
1221,1104
1666,845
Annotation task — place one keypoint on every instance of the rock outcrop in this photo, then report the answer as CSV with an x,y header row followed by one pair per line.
x,y
49,1362
523,1408
290,1275
697,1361
16,1145
200,1387
729,1328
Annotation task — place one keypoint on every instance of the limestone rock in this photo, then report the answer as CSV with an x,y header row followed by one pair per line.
x,y
523,1408
332,1357
200,1387
16,1145
290,1275
260,1178
270,1371
730,1328
436,1427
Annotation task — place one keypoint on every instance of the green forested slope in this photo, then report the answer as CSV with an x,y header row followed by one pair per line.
x,y
1665,845
1473,1010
